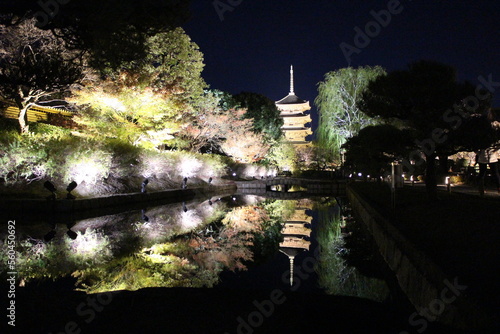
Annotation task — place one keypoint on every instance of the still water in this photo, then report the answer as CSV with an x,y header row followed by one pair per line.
x,y
307,245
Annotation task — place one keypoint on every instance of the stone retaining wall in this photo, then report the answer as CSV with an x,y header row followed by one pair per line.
x,y
424,283
63,206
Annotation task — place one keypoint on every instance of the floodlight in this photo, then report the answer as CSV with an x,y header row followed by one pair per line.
x,y
70,188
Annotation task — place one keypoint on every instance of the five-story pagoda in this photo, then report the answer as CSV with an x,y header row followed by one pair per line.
x,y
296,123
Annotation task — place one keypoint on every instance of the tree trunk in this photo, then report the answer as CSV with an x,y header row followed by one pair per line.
x,y
430,176
23,120
443,164
23,104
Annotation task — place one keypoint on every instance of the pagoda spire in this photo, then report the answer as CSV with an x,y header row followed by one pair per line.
x,y
291,80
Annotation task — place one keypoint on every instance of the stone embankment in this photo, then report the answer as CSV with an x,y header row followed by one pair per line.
x,y
435,296
110,203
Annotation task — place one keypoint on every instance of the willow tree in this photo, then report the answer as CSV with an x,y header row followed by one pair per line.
x,y
337,102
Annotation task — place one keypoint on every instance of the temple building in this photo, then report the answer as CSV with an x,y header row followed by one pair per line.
x,y
296,121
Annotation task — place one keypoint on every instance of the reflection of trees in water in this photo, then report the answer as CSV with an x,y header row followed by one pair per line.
x,y
155,248
336,275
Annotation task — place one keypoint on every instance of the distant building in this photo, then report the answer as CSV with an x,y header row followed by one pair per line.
x,y
296,121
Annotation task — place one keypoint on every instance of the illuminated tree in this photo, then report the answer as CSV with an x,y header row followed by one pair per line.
x,y
283,155
172,67
140,117
147,101
337,101
35,65
216,130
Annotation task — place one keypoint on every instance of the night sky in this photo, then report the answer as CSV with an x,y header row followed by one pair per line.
x,y
252,48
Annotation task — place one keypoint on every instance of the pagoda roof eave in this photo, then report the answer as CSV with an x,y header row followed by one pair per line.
x,y
291,99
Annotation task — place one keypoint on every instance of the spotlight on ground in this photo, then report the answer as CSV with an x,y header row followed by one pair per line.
x,y
143,216
50,187
143,185
71,234
49,236
70,188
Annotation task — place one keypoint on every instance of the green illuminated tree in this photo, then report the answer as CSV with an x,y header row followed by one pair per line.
x,y
147,101
172,67
337,102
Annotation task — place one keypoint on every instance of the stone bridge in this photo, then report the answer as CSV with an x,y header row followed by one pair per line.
x,y
292,188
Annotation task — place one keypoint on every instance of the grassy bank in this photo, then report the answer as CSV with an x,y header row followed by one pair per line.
x,y
100,166
458,232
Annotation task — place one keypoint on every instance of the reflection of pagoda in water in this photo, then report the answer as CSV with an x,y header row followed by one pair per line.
x,y
295,120
294,234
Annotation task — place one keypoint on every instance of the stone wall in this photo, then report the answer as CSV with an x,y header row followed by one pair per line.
x,y
424,283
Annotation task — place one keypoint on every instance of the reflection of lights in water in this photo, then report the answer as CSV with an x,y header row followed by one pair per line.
x,y
190,219
90,243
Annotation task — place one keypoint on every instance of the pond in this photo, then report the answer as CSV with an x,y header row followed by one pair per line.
x,y
312,247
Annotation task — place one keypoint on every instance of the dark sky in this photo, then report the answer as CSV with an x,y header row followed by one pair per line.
x,y
253,47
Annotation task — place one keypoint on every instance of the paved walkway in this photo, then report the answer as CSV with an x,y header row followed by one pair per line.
x,y
489,192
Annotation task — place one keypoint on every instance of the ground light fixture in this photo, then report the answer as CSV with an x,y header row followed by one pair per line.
x,y
70,188
71,234
49,236
50,187
144,185
143,216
